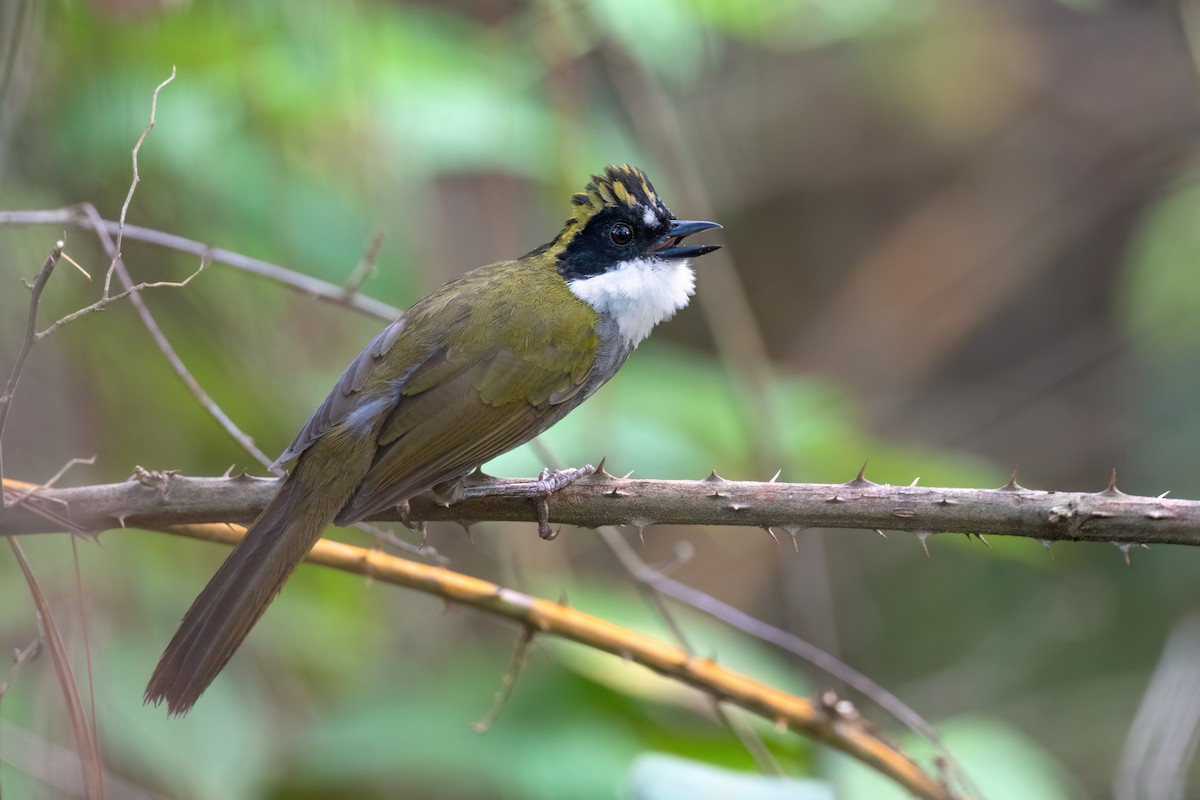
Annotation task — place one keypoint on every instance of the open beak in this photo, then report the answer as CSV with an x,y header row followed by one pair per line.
x,y
668,245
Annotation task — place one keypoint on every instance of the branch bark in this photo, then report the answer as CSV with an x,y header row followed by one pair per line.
x,y
155,500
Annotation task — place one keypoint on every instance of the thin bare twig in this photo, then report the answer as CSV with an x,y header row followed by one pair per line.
x,y
508,683
104,302
117,267
116,254
87,651
83,727
366,265
165,347
21,657
384,536
35,298
784,640
299,282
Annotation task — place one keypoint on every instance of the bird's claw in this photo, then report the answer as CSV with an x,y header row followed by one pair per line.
x,y
548,483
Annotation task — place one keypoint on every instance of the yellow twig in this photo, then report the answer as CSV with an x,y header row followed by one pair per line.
x,y
817,721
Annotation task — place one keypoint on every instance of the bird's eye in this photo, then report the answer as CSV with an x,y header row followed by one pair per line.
x,y
621,234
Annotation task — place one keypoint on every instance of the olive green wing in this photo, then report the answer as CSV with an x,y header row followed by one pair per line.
x,y
346,393
476,398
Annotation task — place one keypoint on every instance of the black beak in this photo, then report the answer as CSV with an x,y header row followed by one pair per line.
x,y
668,246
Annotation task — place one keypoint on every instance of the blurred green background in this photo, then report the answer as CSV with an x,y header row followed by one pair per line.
x,y
962,235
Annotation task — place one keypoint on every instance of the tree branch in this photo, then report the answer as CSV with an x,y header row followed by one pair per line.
x,y
154,500
310,287
832,724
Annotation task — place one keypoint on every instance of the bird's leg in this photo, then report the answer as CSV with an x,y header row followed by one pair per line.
x,y
407,521
539,490
549,483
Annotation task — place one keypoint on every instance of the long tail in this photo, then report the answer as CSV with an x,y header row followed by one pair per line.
x,y
243,587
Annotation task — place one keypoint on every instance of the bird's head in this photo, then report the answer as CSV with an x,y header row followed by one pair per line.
x,y
621,251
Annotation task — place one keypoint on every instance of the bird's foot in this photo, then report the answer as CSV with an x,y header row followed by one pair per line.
x,y
548,483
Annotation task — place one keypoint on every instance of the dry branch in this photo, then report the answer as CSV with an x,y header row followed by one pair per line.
x,y
304,284
35,298
833,724
154,500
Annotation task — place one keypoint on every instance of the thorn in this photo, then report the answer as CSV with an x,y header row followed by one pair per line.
x,y
979,536
916,480
835,499
1046,544
229,471
771,532
1160,513
923,538
1124,547
626,476
1112,490
794,532
479,474
1012,485
860,479
713,477
736,507
881,533
642,534
601,472
944,501
1163,496
615,492
466,526
775,477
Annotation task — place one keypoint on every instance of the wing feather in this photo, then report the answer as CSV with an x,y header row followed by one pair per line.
x,y
345,395
459,380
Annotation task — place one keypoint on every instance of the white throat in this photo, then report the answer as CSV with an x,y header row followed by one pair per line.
x,y
638,294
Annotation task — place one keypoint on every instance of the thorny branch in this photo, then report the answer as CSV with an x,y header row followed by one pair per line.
x,y
603,499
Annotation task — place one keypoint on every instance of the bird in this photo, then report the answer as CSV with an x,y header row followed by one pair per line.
x,y
479,366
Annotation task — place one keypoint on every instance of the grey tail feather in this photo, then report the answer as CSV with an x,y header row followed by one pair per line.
x,y
238,594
